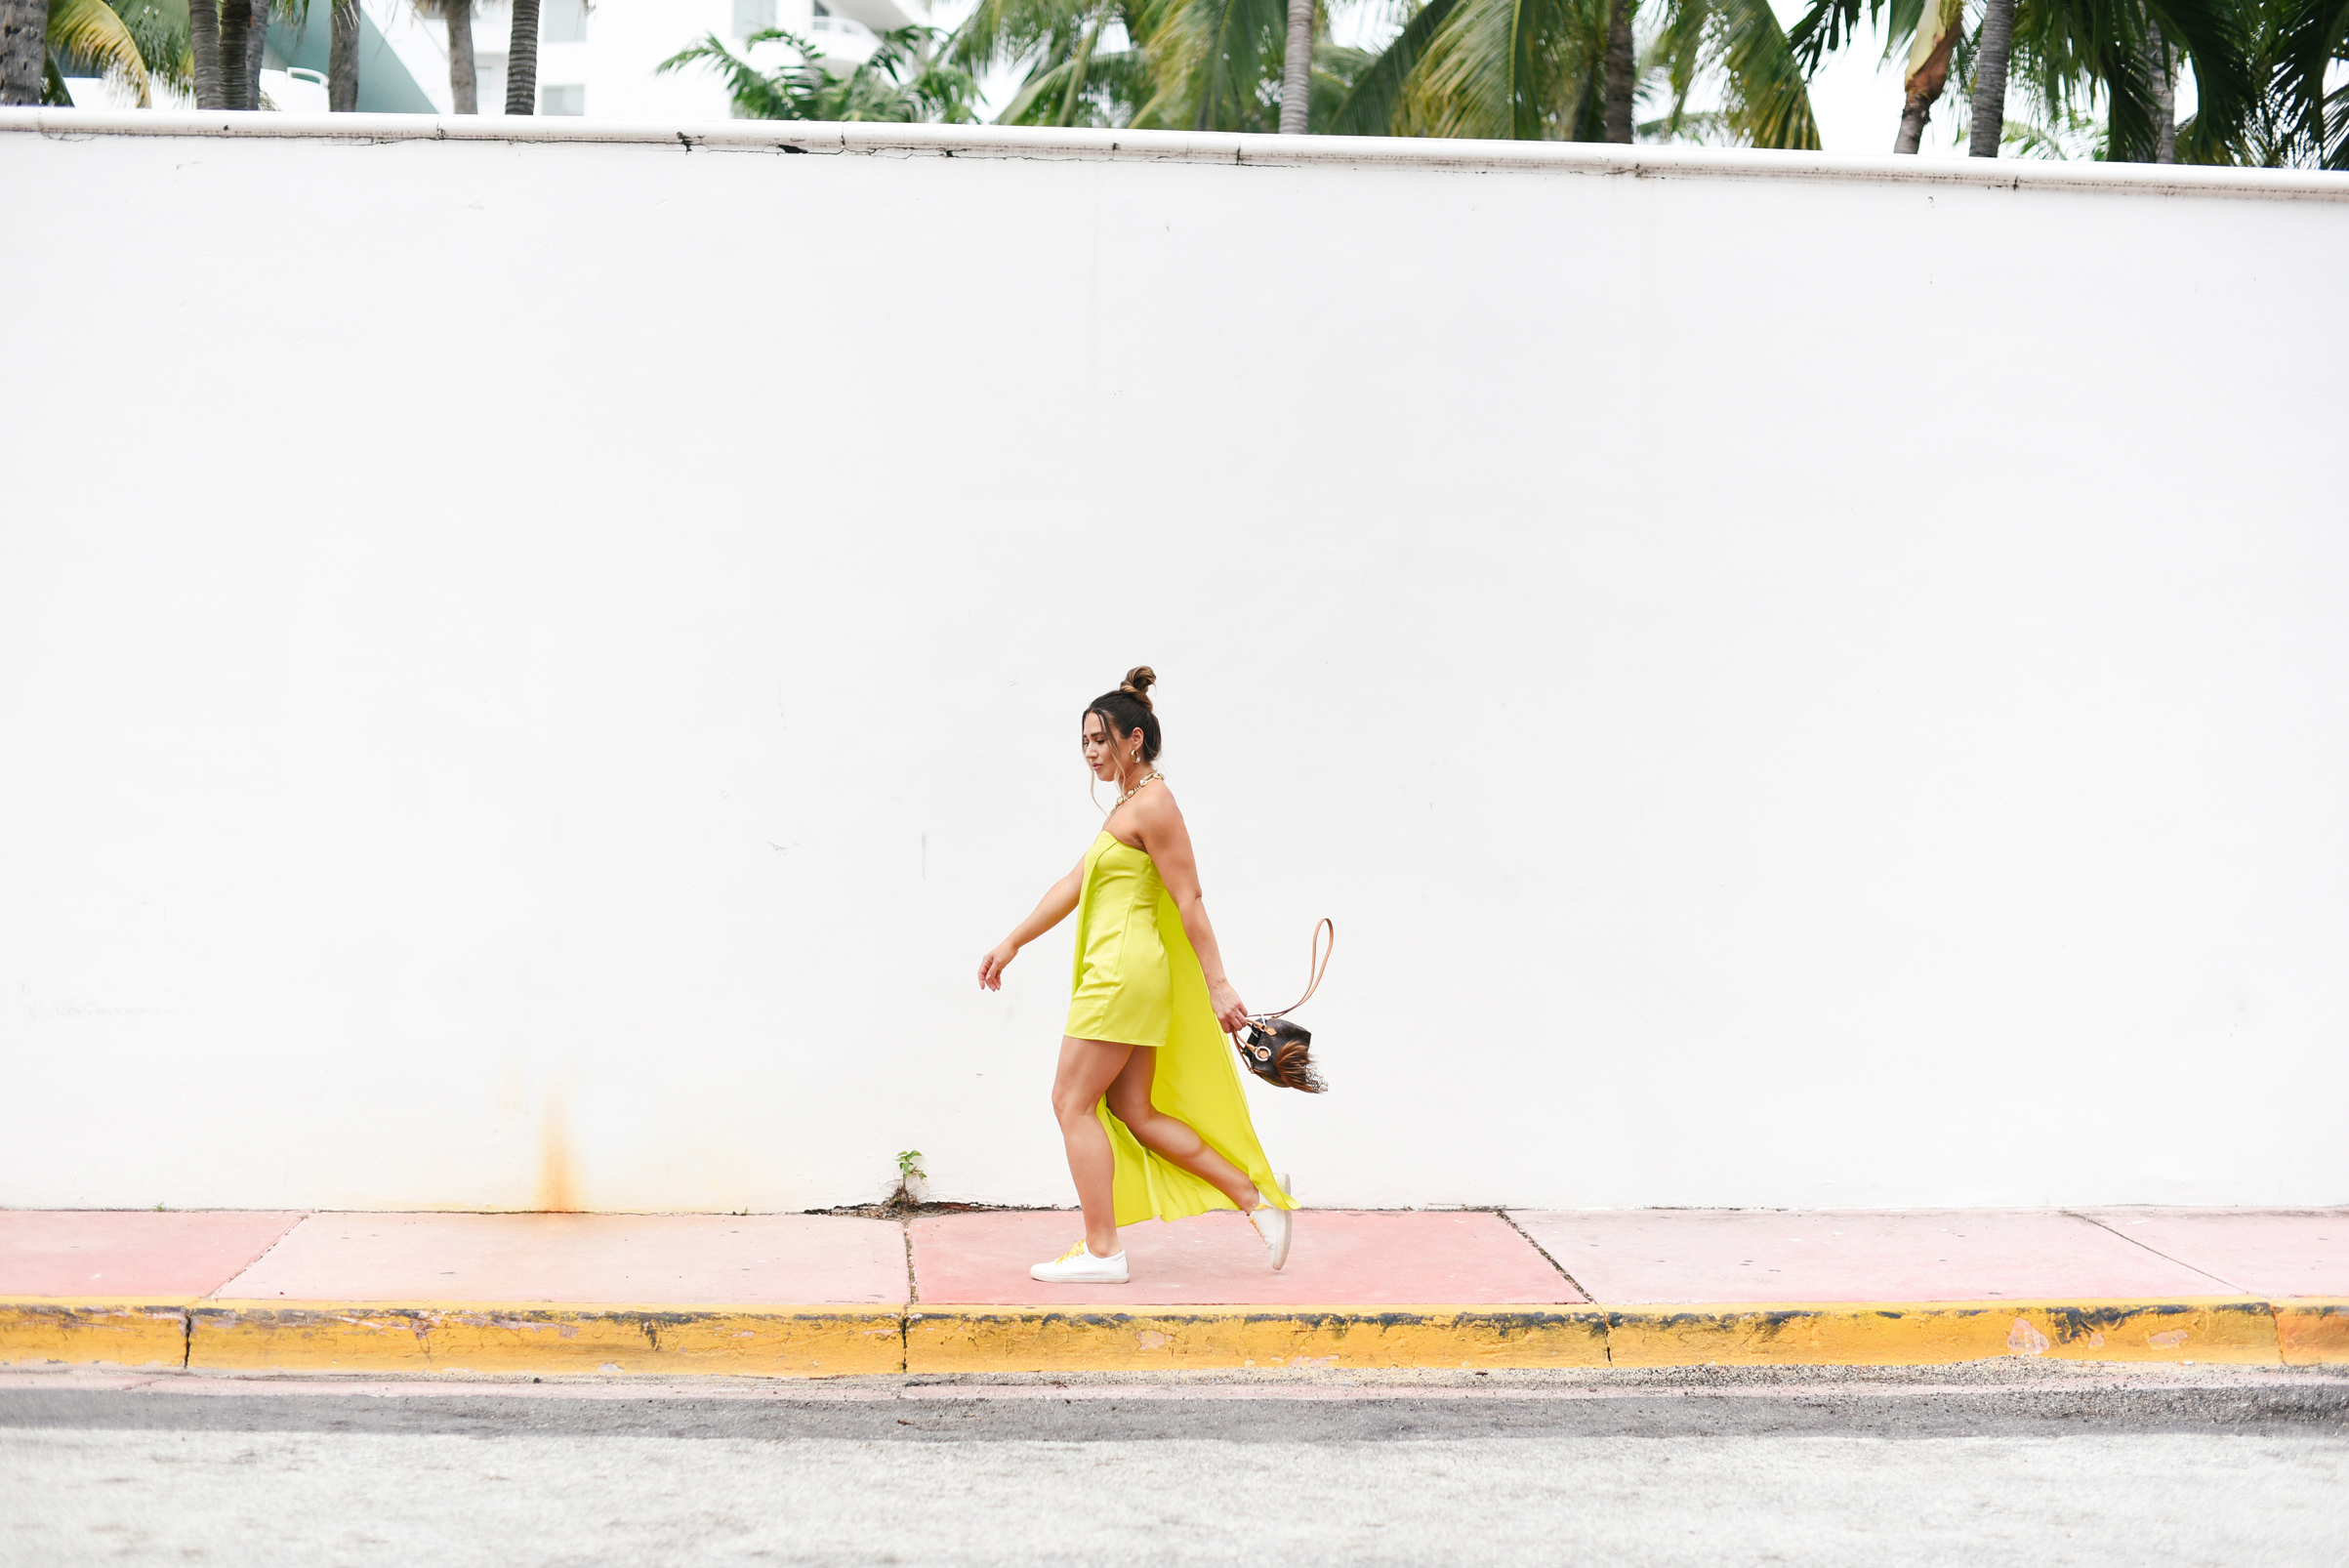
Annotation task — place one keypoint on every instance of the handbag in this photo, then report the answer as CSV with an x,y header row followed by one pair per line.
x,y
1279,1051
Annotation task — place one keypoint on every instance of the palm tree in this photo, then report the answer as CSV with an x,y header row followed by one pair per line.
x,y
244,27
521,60
23,51
1296,70
1072,78
1196,64
900,83
134,45
80,37
1992,52
2067,52
1209,61
1936,34
226,42
1541,69
1620,75
463,86
343,57
1939,26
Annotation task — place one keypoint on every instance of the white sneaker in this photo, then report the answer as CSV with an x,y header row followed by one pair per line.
x,y
1272,1223
1082,1265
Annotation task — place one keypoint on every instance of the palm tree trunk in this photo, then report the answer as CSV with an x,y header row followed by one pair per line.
x,y
204,43
237,27
1928,70
464,89
343,58
1990,79
1297,69
1621,77
521,60
23,51
2166,95
257,43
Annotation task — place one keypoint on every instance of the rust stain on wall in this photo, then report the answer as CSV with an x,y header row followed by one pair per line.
x,y
557,1179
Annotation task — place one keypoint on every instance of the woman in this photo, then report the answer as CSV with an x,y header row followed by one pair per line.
x,y
1148,1093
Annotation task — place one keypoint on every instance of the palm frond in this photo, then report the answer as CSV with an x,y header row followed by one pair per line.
x,y
1831,25
1371,106
2306,38
1000,32
90,32
904,80
1767,96
1215,64
1511,68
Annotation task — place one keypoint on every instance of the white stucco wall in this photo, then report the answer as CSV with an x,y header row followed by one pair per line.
x,y
1798,686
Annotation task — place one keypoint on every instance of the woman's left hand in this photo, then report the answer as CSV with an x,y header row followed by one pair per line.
x,y
1230,1012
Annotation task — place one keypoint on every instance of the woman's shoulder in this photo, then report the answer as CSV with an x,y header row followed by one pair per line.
x,y
1156,805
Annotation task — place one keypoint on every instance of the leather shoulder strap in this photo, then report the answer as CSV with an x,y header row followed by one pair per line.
x,y
1321,964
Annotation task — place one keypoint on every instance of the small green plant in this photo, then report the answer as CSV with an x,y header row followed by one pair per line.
x,y
909,1172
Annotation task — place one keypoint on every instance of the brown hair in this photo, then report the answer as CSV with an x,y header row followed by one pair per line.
x,y
1128,708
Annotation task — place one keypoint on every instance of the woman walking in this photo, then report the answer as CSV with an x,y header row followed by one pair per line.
x,y
1148,1093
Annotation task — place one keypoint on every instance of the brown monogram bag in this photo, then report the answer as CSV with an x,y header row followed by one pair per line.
x,y
1279,1051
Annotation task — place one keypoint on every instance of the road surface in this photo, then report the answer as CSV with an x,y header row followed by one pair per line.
x,y
1978,1467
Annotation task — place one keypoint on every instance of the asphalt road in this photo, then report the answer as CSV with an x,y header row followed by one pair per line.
x,y
1940,1466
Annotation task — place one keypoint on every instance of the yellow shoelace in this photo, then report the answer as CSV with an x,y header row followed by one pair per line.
x,y
1076,1252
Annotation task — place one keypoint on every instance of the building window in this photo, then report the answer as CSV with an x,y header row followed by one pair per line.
x,y
562,100
489,82
562,22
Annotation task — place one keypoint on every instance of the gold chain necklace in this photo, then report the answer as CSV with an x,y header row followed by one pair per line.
x,y
1151,778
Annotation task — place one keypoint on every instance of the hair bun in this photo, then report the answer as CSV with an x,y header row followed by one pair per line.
x,y
1138,680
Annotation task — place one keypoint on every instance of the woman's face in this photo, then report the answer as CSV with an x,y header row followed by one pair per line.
x,y
1103,748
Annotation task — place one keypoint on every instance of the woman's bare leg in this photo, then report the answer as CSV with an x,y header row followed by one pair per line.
x,y
1087,1067
1170,1135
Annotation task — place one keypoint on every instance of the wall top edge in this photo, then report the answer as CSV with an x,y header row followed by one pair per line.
x,y
1007,141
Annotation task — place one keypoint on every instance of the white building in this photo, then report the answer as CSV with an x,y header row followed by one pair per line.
x,y
599,59
593,59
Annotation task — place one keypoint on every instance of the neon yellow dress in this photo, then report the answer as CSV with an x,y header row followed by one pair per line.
x,y
1137,982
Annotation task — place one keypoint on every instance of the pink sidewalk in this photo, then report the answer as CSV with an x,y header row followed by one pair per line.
x,y
1341,1257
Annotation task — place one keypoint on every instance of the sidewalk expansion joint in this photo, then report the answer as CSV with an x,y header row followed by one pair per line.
x,y
1563,1274
2148,1247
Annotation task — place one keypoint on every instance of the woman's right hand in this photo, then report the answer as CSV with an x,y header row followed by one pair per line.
x,y
992,966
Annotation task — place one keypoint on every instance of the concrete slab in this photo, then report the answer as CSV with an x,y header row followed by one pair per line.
x,y
2262,1252
98,1253
646,1260
1338,1257
1921,1255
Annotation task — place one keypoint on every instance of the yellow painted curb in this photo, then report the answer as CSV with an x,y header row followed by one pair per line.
x,y
124,1332
765,1340
539,1336
1032,1339
2313,1332
1893,1333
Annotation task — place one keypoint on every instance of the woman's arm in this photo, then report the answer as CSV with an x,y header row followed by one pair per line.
x,y
1059,900
1158,821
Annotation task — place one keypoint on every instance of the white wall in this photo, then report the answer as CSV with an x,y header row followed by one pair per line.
x,y
1829,689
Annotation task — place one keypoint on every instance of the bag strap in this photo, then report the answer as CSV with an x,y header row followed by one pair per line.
x,y
1321,964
